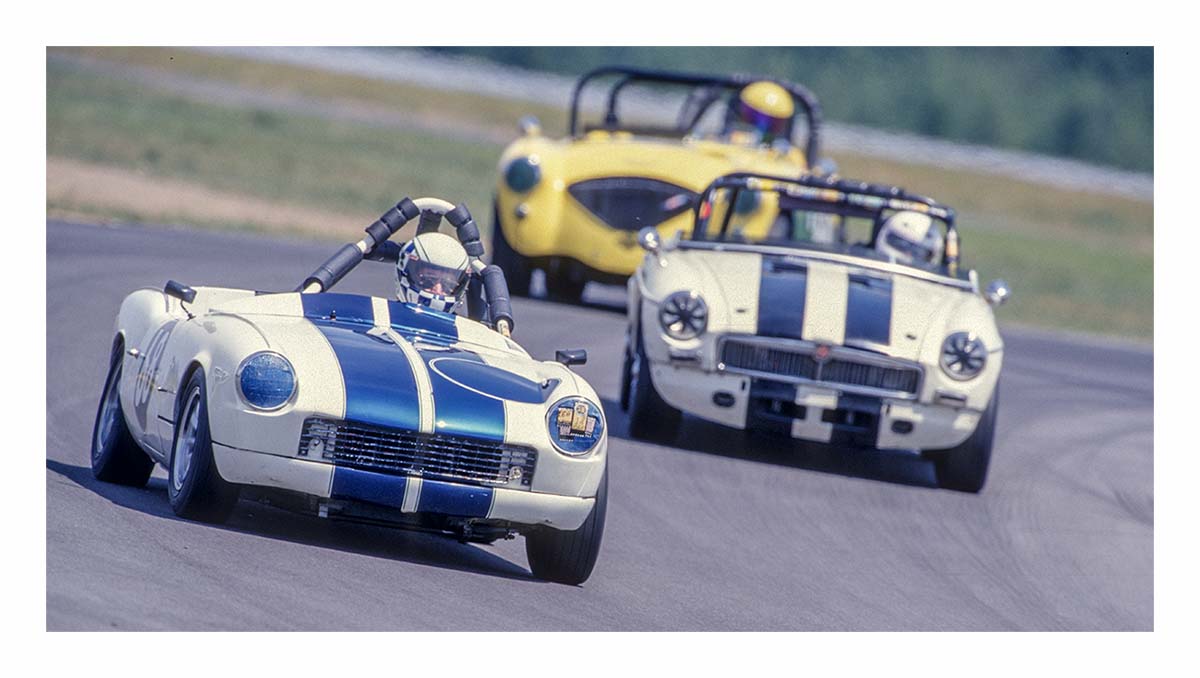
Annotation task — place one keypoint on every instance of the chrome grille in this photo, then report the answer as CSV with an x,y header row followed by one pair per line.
x,y
382,450
840,369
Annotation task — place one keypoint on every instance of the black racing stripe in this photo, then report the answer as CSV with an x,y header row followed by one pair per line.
x,y
869,309
772,407
781,298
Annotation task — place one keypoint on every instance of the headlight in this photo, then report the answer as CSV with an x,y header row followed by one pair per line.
x,y
522,174
266,380
576,425
683,315
963,356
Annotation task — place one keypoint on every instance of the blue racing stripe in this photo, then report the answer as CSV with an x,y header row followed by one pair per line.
x,y
379,382
376,488
459,410
781,298
455,500
869,309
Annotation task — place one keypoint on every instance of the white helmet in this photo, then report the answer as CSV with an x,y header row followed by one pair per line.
x,y
432,271
910,238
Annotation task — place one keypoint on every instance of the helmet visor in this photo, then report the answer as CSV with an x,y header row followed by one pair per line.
x,y
917,251
767,124
434,279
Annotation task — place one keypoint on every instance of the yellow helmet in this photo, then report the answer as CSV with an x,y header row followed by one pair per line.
x,y
765,106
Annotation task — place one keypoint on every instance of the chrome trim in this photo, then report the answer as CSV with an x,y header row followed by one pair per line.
x,y
807,348
863,265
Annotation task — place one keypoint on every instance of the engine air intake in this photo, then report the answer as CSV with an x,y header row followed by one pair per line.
x,y
632,203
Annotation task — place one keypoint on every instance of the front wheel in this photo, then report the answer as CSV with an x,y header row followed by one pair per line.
x,y
194,487
569,556
965,467
650,417
116,457
516,268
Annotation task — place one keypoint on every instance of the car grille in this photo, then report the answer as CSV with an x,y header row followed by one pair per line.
x,y
382,450
841,370
632,203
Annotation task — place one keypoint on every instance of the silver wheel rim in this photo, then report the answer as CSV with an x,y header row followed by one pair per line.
x,y
185,443
110,410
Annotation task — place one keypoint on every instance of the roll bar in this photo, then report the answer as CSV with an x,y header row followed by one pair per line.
x,y
846,194
803,96
376,247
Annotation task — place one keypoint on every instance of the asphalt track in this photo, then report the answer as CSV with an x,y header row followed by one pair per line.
x,y
717,533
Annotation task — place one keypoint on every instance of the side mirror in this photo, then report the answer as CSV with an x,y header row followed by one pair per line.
x,y
649,240
997,292
179,291
529,126
571,356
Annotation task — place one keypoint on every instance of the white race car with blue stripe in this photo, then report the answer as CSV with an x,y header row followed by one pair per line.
x,y
359,407
806,333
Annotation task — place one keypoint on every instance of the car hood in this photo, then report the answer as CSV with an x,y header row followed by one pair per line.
x,y
795,297
462,378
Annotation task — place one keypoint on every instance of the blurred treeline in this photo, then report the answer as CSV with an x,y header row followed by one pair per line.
x,y
1090,103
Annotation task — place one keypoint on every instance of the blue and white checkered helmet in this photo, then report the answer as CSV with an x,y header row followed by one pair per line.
x,y
433,271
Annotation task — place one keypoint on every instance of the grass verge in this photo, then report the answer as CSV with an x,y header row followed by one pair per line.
x,y
124,150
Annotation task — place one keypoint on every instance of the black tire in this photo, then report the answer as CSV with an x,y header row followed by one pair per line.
x,y
568,557
116,456
195,489
562,287
650,417
516,268
626,377
965,468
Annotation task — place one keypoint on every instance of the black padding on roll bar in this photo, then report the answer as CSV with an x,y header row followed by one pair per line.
x,y
476,304
459,215
392,220
334,268
384,251
496,288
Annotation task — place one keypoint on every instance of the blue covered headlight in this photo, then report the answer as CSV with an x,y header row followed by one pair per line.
x,y
522,174
576,425
266,380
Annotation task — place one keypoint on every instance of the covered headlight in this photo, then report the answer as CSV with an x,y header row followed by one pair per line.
x,y
522,174
963,356
575,425
266,380
683,315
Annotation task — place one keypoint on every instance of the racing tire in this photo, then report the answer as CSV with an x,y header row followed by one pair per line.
x,y
569,556
517,272
965,467
194,488
562,287
626,377
116,456
650,417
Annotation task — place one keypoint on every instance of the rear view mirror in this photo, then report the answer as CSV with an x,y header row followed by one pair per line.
x,y
571,356
179,291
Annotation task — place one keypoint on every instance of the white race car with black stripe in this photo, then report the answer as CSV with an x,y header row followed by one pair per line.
x,y
359,407
809,334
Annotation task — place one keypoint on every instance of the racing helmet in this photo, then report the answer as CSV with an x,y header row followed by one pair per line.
x,y
433,270
910,238
765,106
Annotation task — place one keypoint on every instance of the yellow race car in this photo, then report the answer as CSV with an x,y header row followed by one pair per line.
x,y
573,206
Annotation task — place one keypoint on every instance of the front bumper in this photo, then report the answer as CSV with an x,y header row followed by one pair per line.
x,y
810,412
409,494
